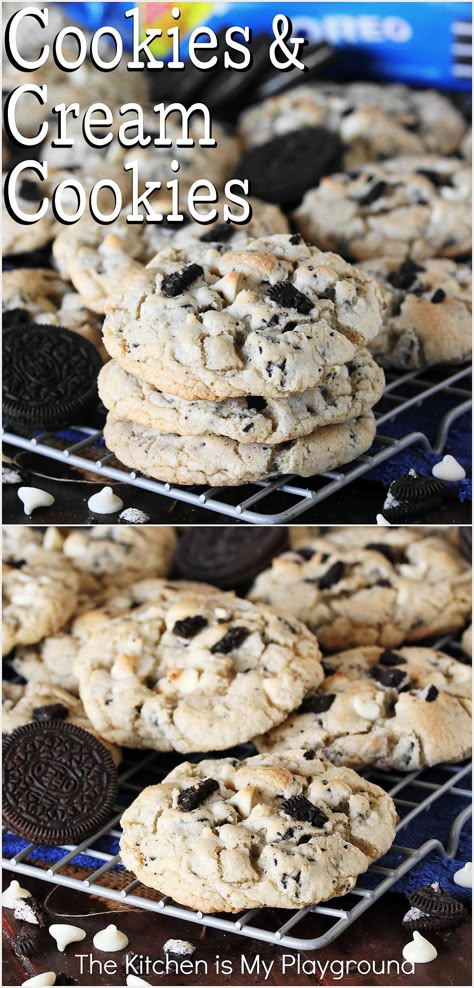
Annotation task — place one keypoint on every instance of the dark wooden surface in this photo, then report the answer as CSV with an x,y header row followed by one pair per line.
x,y
377,936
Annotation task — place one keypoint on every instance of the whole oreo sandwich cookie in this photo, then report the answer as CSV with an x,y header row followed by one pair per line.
x,y
433,908
228,557
283,169
59,783
49,377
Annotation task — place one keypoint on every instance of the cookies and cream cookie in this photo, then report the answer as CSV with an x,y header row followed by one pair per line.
x,y
345,392
198,675
275,830
404,709
428,311
220,461
40,594
350,595
117,554
408,207
98,258
52,659
265,319
373,120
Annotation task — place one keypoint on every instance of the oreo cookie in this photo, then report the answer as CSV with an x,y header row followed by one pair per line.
x,y
59,783
228,557
49,377
412,495
283,169
433,908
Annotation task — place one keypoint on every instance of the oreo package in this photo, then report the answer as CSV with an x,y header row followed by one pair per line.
x,y
421,43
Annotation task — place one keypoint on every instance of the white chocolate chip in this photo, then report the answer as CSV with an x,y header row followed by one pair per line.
x,y
12,893
105,502
110,939
63,933
366,707
244,800
34,497
448,469
228,286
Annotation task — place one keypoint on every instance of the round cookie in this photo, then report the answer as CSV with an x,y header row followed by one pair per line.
x,y
266,319
401,710
370,596
373,120
216,460
52,660
421,300
198,675
41,295
40,594
345,392
98,258
272,830
24,704
407,207
117,554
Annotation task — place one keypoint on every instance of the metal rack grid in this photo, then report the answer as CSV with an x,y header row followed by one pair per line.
x,y
253,503
413,794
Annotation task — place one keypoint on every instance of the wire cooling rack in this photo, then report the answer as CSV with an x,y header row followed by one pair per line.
x,y
255,503
413,794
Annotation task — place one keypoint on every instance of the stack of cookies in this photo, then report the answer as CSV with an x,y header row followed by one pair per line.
x,y
233,364
182,667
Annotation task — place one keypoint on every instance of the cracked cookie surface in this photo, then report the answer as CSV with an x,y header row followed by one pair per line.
x,y
274,830
218,460
373,595
40,594
428,312
195,675
345,393
116,554
407,207
404,709
97,258
265,319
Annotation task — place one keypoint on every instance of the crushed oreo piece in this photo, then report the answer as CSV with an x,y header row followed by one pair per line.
x,y
176,283
29,910
306,553
287,295
189,627
25,944
377,190
385,550
300,808
429,693
331,576
392,678
220,233
389,658
232,639
438,296
30,191
317,704
51,711
189,799
405,277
